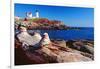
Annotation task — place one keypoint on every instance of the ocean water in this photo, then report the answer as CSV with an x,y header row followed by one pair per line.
x,y
81,34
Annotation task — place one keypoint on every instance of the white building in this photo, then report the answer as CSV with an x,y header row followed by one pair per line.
x,y
29,15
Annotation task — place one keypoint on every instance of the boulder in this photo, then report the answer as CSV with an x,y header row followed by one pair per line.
x,y
82,47
61,43
64,56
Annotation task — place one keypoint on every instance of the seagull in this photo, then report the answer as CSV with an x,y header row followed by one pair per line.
x,y
26,39
45,40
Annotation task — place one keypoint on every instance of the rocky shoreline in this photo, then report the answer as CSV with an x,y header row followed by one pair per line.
x,y
85,47
59,51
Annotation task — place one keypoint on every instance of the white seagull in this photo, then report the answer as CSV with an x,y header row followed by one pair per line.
x,y
26,39
45,40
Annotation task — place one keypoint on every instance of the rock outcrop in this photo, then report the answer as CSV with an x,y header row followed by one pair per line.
x,y
40,50
54,53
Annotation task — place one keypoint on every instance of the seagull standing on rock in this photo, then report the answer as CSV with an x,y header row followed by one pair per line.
x,y
45,41
26,39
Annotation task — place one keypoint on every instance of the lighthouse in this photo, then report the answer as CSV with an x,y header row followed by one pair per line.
x,y
37,14
29,15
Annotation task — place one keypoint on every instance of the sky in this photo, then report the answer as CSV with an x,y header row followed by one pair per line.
x,y
70,16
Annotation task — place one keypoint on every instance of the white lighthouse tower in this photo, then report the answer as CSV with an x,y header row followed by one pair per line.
x,y
37,14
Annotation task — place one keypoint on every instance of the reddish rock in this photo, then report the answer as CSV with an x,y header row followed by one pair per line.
x,y
52,53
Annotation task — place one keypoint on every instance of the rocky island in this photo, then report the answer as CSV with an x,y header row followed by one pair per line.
x,y
43,24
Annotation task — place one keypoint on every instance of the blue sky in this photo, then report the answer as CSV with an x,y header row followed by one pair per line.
x,y
71,16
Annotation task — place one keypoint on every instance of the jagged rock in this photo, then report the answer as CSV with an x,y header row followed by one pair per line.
x,y
82,47
53,53
69,43
48,51
71,57
64,56
90,44
84,54
89,48
61,43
